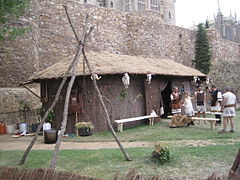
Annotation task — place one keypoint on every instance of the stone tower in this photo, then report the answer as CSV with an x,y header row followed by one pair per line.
x,y
227,27
169,15
165,8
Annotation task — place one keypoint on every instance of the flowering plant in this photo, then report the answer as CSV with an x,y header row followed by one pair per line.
x,y
84,125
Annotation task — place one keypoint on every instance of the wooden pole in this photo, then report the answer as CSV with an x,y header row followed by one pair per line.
x,y
98,92
26,153
65,76
76,123
104,107
69,88
236,164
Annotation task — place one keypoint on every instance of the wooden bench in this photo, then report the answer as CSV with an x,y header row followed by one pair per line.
x,y
149,117
212,121
209,112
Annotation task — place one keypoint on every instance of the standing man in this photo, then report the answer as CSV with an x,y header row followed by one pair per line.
x,y
200,97
175,101
216,103
229,109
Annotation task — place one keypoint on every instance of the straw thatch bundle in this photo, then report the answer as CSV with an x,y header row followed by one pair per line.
x,y
7,173
106,63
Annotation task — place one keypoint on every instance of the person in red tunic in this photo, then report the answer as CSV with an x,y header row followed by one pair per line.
x,y
175,101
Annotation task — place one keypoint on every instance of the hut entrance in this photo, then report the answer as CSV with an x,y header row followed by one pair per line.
x,y
166,99
154,96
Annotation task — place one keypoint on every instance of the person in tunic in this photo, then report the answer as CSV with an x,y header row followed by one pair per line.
x,y
216,103
187,104
229,109
188,107
185,118
200,97
175,101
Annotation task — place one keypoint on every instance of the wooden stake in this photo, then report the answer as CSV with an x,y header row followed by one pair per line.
x,y
104,107
69,88
26,153
65,76
76,123
98,92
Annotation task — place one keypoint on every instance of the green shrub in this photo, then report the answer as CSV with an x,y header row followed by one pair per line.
x,y
162,153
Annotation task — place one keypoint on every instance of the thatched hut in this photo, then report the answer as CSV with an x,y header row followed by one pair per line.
x,y
137,100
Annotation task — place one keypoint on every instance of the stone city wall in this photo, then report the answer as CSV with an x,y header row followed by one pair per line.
x,y
133,33
222,49
12,101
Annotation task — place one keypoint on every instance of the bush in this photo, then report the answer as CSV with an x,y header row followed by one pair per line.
x,y
162,153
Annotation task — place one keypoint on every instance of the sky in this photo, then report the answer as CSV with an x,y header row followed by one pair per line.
x,y
190,12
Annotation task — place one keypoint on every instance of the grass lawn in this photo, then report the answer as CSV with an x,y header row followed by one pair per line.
x,y
189,162
161,132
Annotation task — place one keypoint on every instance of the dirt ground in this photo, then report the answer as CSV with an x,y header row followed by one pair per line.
x,y
21,143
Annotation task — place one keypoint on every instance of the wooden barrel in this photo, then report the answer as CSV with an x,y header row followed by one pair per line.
x,y
50,136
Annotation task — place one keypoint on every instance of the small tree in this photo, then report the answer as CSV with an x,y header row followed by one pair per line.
x,y
24,107
202,50
207,25
10,11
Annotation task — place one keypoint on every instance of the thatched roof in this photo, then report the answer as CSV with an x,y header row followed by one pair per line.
x,y
103,63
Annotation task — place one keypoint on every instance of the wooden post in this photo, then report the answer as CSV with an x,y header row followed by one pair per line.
x,y
236,164
105,109
65,76
97,90
69,88
76,123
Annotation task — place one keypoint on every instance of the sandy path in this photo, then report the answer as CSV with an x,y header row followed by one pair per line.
x,y
22,145
8,143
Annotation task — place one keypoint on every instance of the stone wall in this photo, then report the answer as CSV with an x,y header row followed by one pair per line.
x,y
134,33
19,58
11,100
223,49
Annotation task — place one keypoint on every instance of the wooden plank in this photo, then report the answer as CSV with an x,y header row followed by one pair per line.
x,y
207,119
212,121
120,127
200,118
135,119
149,117
209,112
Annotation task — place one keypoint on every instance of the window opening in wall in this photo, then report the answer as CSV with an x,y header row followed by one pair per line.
x,y
155,5
169,15
111,4
127,5
102,3
85,1
141,4
228,33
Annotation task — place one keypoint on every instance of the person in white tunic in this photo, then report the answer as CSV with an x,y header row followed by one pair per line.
x,y
229,109
187,104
